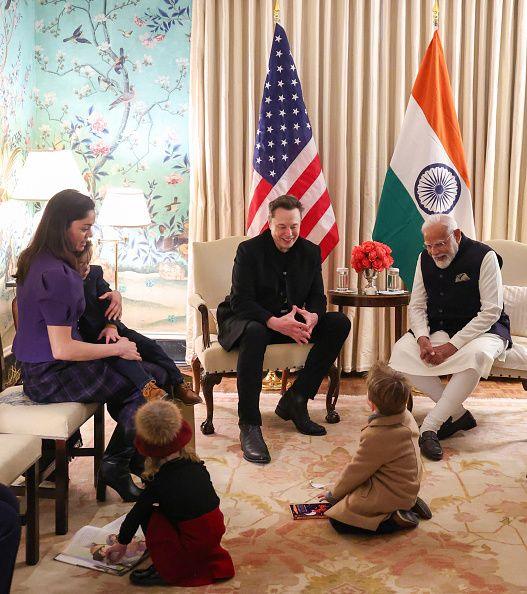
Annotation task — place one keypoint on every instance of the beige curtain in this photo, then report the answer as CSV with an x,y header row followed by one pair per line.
x,y
357,61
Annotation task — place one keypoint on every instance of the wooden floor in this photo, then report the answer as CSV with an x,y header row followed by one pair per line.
x,y
355,384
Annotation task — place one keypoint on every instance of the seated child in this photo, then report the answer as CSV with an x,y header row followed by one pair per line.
x,y
377,492
94,326
178,509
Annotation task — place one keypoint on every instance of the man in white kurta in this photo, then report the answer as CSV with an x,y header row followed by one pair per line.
x,y
457,324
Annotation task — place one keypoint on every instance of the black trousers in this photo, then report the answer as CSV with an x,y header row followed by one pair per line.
x,y
9,536
386,527
151,352
328,337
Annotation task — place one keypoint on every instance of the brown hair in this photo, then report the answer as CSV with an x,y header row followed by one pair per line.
x,y
387,389
64,208
287,202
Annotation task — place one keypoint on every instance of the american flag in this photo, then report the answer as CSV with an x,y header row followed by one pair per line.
x,y
285,158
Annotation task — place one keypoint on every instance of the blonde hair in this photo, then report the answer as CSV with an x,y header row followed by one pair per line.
x,y
152,465
388,389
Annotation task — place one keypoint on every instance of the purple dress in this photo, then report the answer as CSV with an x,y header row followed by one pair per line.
x,y
52,294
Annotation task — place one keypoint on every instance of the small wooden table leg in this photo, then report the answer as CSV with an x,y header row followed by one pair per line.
x,y
398,322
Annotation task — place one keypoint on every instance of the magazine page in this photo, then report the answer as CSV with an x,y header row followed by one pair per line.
x,y
89,545
304,511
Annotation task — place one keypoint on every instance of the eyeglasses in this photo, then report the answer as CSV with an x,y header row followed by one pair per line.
x,y
438,244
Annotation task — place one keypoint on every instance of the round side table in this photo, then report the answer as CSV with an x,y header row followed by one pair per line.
x,y
353,299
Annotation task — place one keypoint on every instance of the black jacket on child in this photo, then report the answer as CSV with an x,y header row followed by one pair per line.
x,y
93,322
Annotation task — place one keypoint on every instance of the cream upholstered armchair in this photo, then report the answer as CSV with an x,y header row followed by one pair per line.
x,y
213,262
514,273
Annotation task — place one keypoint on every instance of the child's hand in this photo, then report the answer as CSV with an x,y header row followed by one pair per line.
x,y
116,552
110,334
326,497
115,309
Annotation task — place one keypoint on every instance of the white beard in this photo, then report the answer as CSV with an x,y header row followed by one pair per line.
x,y
445,263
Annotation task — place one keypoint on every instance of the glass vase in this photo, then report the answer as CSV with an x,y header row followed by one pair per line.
x,y
371,281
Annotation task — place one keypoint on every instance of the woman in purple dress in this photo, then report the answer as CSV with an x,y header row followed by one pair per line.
x,y
57,366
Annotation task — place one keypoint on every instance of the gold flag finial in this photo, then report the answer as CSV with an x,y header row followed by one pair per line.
x,y
435,14
276,11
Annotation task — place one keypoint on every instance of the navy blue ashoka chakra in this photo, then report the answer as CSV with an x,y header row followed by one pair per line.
x,y
437,188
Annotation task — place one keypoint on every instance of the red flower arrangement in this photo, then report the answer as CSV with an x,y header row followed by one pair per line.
x,y
371,254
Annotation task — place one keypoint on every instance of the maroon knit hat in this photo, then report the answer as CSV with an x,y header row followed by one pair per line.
x,y
162,451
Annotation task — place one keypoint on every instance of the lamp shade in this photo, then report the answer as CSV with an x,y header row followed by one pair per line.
x,y
124,207
45,173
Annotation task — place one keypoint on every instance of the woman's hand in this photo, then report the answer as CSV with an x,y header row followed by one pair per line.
x,y
115,309
127,349
110,334
115,552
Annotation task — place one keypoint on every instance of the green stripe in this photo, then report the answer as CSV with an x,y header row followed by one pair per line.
x,y
398,225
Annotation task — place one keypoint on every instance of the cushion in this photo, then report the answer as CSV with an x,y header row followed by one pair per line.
x,y
19,415
277,356
515,364
17,454
515,300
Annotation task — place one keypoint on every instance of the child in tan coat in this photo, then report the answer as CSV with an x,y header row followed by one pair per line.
x,y
377,492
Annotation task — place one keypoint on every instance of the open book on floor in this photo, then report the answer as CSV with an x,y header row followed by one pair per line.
x,y
88,548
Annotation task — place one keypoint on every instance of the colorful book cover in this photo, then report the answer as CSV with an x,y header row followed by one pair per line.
x,y
308,511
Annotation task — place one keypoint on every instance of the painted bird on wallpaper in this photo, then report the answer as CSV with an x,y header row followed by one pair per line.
x,y
125,34
77,36
174,205
118,64
126,97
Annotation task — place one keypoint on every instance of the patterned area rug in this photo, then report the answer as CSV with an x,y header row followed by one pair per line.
x,y
476,541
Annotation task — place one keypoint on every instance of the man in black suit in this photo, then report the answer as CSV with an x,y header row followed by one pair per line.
x,y
277,296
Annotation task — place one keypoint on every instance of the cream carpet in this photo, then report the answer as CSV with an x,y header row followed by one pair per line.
x,y
476,542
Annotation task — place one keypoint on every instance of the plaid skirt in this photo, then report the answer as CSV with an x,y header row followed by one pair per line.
x,y
87,381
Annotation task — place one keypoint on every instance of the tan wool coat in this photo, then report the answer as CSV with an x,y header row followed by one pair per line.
x,y
384,474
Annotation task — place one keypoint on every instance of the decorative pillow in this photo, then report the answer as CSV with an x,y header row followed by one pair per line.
x,y
515,301
15,396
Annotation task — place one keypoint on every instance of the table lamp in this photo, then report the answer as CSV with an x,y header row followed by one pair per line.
x,y
123,207
43,174
46,172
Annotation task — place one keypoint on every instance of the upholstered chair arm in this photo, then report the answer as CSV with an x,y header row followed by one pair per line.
x,y
197,302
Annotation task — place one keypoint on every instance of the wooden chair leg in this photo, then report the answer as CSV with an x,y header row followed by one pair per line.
x,y
61,487
285,377
209,380
98,441
332,415
196,374
32,516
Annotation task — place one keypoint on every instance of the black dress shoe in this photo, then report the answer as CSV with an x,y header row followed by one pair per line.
x,y
147,577
293,407
430,446
449,427
421,509
253,444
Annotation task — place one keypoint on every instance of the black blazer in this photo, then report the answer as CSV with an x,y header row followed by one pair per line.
x,y
257,280
93,320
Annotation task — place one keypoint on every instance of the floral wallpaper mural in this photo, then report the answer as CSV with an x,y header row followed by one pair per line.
x,y
16,109
112,84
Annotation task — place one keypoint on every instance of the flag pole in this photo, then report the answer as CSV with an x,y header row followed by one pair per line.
x,y
276,12
435,14
271,382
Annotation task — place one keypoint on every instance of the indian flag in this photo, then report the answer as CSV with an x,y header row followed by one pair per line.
x,y
428,172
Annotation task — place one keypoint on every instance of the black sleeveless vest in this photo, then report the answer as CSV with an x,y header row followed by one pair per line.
x,y
453,297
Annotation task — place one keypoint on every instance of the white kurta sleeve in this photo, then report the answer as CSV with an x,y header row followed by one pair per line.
x,y
417,315
491,295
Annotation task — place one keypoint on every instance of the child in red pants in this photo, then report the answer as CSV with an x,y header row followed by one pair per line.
x,y
178,509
